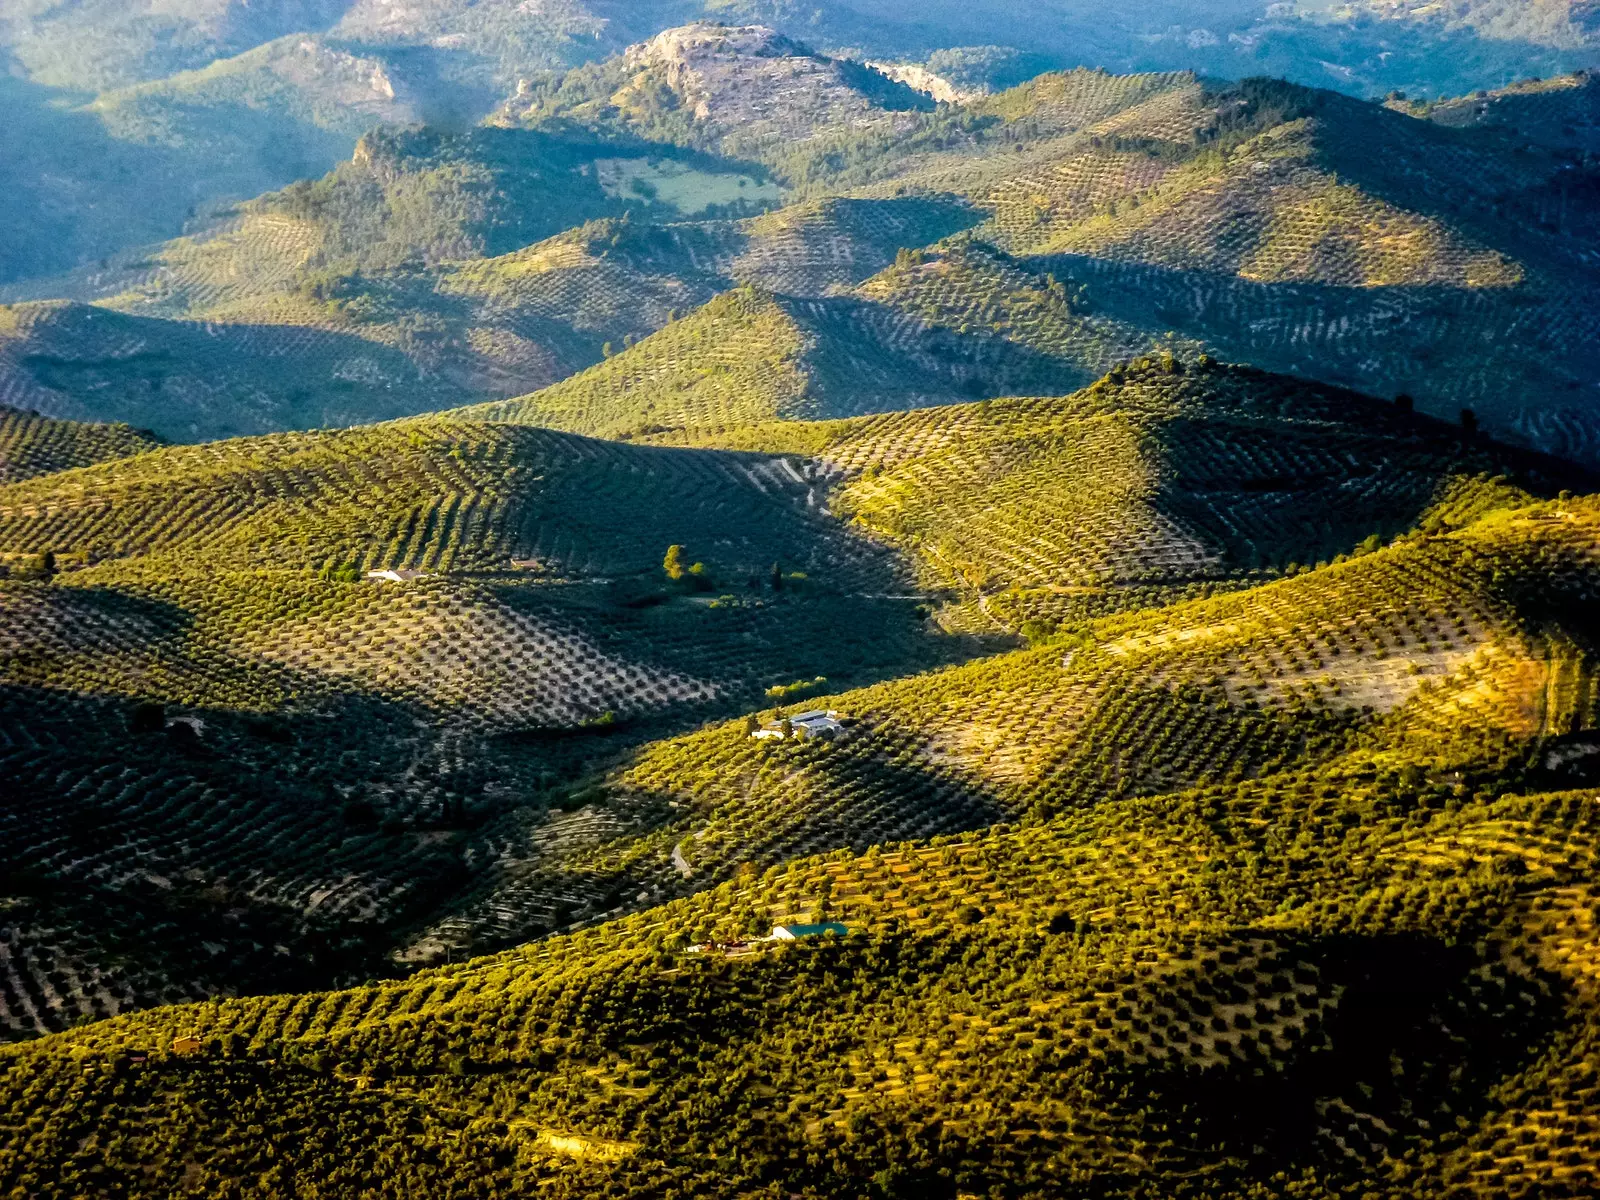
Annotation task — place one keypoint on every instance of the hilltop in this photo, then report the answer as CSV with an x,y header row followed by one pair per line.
x,y
743,90
1561,114
1157,480
750,356
1363,958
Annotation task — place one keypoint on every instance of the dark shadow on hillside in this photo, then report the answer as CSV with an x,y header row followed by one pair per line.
x,y
204,850
190,381
1295,473
871,358
1417,1038
1519,361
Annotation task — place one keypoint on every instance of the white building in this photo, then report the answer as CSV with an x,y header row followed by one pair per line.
x,y
806,724
395,575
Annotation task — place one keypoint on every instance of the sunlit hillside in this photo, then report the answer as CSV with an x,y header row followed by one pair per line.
x,y
1372,963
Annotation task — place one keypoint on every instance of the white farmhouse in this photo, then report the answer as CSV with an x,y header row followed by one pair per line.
x,y
807,724
395,575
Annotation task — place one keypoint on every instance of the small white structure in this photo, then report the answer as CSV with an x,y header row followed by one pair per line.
x,y
395,575
793,933
806,724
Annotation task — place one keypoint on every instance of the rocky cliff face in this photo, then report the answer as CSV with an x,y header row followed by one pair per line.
x,y
755,82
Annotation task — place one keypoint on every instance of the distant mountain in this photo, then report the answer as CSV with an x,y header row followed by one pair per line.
x,y
1050,231
140,119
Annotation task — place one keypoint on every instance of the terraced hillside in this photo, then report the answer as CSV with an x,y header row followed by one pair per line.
x,y
1297,229
1159,479
208,612
33,445
1364,963
192,380
224,722
1457,650
1307,233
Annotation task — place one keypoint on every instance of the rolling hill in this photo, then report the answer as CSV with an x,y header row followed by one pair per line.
x,y
196,380
427,758
192,641
1161,478
32,445
1367,958
757,601
1050,232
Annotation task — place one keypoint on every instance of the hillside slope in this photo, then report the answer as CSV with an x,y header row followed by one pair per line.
x,y
194,380
1368,967
32,445
750,356
447,721
195,663
1159,479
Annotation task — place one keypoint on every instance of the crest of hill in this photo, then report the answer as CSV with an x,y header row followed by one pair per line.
x,y
1561,114
32,445
1266,217
1158,479
750,356
1270,906
740,90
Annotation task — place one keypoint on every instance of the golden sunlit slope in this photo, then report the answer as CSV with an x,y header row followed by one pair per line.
x,y
1367,979
1162,477
751,356
215,717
